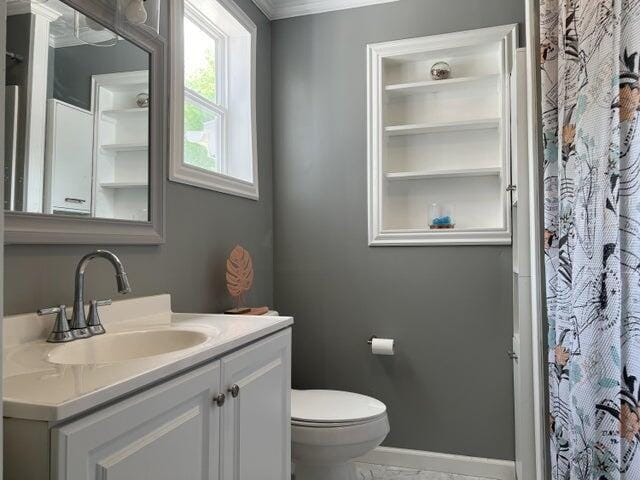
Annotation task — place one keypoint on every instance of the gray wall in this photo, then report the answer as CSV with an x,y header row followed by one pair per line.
x,y
17,40
449,388
74,66
202,228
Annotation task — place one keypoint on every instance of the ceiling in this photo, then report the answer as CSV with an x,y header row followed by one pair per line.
x,y
273,9
276,9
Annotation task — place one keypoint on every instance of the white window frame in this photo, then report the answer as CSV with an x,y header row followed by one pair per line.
x,y
178,170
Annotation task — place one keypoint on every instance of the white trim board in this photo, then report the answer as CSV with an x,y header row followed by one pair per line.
x,y
278,9
441,462
536,235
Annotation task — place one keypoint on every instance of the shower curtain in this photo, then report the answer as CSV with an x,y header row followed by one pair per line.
x,y
590,55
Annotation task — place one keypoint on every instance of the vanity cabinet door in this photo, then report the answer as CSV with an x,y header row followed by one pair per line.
x,y
256,423
168,432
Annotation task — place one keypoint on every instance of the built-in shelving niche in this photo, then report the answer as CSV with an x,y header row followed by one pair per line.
x,y
441,141
121,147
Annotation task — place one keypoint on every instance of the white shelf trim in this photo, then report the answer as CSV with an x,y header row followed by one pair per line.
x,y
501,41
451,173
125,111
120,185
125,147
421,128
459,236
402,89
440,231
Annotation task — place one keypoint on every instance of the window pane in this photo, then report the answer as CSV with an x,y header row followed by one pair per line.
x,y
199,61
202,137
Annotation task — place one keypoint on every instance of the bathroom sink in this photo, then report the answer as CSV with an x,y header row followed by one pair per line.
x,y
123,346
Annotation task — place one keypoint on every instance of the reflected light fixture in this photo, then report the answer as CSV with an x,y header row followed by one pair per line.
x,y
90,32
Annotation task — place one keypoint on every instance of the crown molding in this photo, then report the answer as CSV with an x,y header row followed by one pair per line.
x,y
277,9
19,7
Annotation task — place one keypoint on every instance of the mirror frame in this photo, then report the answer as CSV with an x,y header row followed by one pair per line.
x,y
37,228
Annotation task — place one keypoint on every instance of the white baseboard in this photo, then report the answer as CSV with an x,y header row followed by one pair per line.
x,y
441,462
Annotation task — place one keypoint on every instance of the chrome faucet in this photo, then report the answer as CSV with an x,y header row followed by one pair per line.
x,y
78,324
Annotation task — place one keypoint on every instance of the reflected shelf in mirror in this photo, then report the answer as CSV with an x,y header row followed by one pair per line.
x,y
125,147
125,111
118,185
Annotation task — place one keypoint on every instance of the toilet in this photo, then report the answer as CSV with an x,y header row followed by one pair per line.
x,y
329,429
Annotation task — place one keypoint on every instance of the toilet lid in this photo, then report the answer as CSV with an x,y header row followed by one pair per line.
x,y
332,406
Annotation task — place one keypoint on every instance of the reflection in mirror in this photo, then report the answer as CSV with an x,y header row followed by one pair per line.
x,y
77,116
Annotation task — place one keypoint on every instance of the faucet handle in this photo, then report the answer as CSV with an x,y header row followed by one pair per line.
x,y
94,324
61,332
50,310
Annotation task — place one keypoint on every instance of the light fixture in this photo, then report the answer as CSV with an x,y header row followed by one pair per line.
x,y
92,33
144,14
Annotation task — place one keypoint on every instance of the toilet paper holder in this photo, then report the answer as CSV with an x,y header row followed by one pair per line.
x,y
370,341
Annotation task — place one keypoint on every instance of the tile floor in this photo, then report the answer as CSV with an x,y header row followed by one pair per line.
x,y
368,471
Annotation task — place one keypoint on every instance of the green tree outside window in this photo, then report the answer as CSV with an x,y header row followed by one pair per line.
x,y
202,81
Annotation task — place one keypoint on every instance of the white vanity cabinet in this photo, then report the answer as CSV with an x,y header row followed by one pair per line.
x,y
256,432
177,429
69,159
168,432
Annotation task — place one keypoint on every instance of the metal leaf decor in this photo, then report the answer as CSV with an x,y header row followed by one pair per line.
x,y
239,274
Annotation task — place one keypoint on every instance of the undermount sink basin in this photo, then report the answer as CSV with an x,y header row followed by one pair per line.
x,y
119,347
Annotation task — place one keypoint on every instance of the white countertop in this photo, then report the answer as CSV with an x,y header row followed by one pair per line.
x,y
35,389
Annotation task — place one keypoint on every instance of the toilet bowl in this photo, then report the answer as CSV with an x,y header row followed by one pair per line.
x,y
329,429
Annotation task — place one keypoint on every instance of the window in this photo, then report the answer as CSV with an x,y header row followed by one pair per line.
x,y
204,107
213,97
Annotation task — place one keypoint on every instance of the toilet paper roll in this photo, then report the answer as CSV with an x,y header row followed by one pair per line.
x,y
382,346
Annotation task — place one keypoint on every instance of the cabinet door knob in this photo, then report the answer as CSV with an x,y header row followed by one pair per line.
x,y
234,391
219,399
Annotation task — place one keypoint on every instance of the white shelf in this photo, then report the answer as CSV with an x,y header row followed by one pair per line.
x,y
459,126
432,86
443,230
452,173
453,236
427,139
125,111
121,131
125,147
121,185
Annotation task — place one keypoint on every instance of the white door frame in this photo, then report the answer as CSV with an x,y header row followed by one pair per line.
x,y
537,248
3,46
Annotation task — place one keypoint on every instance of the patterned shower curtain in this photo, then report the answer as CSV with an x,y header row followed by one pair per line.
x,y
591,126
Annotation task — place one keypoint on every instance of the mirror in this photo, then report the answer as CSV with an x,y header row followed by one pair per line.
x,y
77,116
